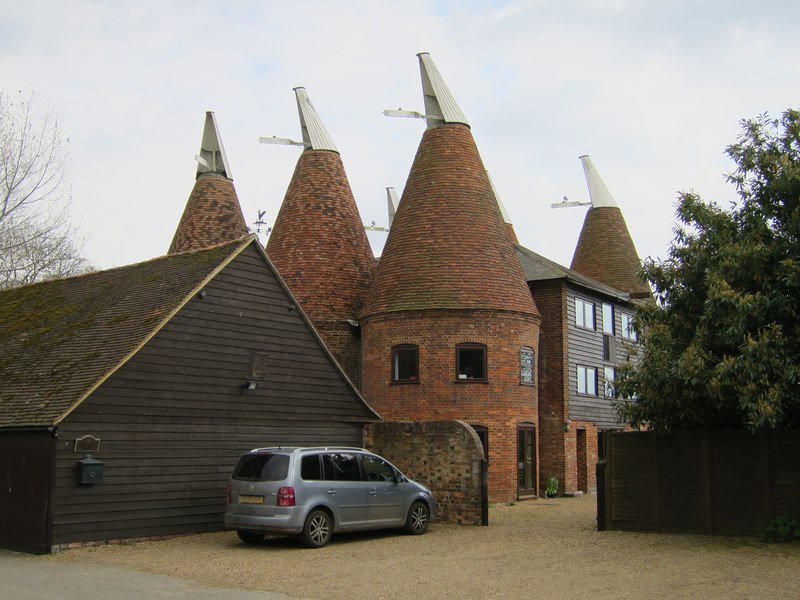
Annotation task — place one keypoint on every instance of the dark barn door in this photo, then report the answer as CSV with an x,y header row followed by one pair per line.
x,y
25,474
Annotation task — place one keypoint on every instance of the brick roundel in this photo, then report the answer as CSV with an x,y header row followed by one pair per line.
x,y
605,252
448,246
212,215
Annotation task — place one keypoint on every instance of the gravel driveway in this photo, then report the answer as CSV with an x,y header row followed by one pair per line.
x,y
533,549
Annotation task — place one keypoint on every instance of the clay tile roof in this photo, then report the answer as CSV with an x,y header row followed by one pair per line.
x,y
213,214
448,246
539,268
605,250
318,242
60,339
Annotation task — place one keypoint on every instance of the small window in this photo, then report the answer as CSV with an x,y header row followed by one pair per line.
x,y
405,363
526,365
584,313
608,318
471,362
628,331
587,380
609,374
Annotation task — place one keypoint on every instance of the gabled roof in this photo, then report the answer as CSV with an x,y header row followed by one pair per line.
x,y
60,340
539,268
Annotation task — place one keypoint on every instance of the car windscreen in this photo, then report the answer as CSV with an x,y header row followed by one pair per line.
x,y
262,467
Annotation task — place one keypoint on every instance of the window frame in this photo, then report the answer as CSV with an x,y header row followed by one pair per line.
x,y
396,350
608,383
580,315
522,351
585,370
610,326
472,346
628,332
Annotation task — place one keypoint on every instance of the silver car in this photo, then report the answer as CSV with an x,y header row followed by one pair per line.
x,y
314,492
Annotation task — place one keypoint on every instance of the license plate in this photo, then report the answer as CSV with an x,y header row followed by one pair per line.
x,y
251,499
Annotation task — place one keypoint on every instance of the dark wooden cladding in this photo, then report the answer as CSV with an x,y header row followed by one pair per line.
x,y
174,419
719,482
586,348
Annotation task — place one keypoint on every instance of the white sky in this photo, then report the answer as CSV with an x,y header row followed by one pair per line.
x,y
653,91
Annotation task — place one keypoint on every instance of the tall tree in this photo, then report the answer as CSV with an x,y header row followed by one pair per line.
x,y
37,239
721,344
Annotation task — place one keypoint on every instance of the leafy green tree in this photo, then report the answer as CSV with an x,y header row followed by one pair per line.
x,y
721,342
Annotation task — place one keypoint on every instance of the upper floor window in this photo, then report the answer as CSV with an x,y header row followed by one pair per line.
x,y
526,365
587,380
608,318
405,363
584,313
628,331
471,361
609,374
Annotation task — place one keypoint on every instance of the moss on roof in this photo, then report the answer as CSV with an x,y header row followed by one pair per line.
x,y
59,339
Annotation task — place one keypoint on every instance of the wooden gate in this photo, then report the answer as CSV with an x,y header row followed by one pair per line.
x,y
719,482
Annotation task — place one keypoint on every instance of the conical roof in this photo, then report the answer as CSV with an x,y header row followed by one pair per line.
x,y
212,214
318,242
512,234
605,250
448,247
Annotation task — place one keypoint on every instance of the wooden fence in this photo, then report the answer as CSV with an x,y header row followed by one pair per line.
x,y
719,482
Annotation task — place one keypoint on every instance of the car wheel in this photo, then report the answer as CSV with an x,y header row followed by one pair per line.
x,y
418,517
317,530
249,537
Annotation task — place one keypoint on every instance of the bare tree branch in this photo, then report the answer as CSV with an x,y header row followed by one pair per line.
x,y
37,238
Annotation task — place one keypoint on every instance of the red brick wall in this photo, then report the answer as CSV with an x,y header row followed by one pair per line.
x,y
340,338
556,448
586,456
444,456
500,403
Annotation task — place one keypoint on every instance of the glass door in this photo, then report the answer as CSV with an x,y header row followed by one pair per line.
x,y
526,459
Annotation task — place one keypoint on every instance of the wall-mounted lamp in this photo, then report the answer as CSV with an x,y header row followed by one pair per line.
x,y
567,424
247,386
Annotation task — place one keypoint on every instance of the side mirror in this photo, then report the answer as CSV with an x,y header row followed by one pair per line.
x,y
400,478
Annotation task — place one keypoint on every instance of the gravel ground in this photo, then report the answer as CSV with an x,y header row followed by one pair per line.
x,y
532,549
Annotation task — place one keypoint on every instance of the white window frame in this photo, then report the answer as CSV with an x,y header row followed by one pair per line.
x,y
608,318
609,375
628,331
585,314
526,365
587,380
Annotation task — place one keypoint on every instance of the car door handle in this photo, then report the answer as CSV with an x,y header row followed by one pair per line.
x,y
331,492
373,493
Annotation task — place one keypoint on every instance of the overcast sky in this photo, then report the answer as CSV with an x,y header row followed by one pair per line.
x,y
653,91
